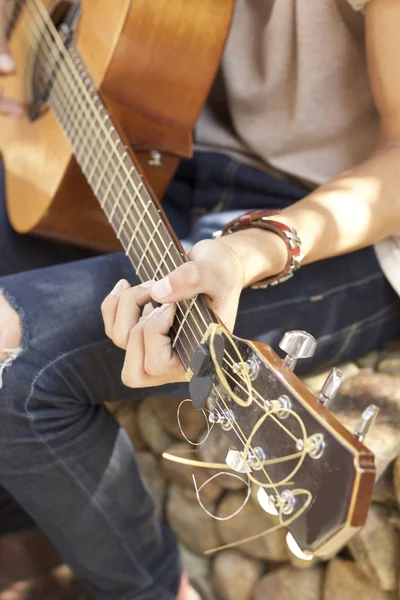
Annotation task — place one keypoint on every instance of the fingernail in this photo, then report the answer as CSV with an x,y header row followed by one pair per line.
x,y
165,307
147,284
162,288
158,311
121,285
7,64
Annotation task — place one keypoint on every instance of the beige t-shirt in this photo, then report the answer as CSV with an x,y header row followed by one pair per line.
x,y
293,95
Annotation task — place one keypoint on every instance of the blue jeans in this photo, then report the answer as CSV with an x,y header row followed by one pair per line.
x,y
65,464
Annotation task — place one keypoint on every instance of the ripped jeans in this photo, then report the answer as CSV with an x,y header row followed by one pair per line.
x,y
65,465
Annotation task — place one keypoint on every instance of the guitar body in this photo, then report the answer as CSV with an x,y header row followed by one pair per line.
x,y
153,63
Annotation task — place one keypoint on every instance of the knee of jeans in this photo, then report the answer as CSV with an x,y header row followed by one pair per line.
x,y
10,335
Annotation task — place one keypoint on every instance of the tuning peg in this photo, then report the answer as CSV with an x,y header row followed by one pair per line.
x,y
297,344
367,420
330,387
235,460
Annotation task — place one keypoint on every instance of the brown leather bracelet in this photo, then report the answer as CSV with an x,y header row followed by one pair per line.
x,y
260,219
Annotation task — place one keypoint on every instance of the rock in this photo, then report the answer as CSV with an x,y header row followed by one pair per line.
x,y
376,549
235,575
394,520
384,489
153,478
190,522
373,388
251,520
369,361
390,359
150,427
126,414
390,366
392,346
316,381
214,450
290,584
182,474
396,478
345,581
197,567
60,583
192,421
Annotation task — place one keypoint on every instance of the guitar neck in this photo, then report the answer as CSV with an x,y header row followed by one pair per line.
x,y
135,214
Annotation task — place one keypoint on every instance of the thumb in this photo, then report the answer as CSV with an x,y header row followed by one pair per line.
x,y
200,277
186,281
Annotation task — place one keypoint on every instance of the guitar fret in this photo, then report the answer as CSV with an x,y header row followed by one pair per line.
x,y
162,260
142,217
183,320
111,179
131,204
96,156
119,198
103,168
150,240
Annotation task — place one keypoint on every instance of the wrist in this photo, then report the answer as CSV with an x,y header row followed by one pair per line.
x,y
261,253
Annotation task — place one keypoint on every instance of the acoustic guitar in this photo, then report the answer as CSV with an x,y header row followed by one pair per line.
x,y
99,78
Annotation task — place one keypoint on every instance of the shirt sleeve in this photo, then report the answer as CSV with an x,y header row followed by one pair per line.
x,y
358,4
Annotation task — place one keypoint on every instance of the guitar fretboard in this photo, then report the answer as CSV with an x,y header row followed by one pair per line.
x,y
136,217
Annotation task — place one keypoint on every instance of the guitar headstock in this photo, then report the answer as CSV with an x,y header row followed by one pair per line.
x,y
311,472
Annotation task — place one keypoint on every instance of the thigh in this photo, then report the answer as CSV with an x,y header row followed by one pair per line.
x,y
12,516
59,307
345,302
75,473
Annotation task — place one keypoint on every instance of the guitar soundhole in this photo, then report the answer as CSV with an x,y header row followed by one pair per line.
x,y
47,60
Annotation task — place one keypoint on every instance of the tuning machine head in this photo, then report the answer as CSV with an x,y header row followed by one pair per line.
x,y
297,344
367,420
330,387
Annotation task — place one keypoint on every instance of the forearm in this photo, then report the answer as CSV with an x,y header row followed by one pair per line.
x,y
355,209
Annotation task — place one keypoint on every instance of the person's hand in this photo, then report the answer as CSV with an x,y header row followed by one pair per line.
x,y
8,106
132,323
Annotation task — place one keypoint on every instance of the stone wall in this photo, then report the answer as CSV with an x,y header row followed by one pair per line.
x,y
368,568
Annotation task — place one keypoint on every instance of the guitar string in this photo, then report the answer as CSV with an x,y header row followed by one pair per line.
x,y
186,315
218,404
261,463
194,336
202,333
196,322
215,330
192,330
49,26
153,268
189,325
228,355
160,255
249,443
78,79
296,492
282,523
